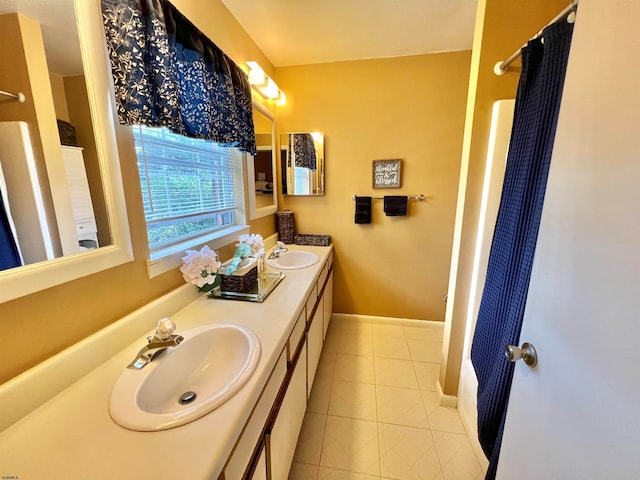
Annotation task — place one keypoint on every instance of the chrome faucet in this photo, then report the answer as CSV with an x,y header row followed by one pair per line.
x,y
278,250
163,339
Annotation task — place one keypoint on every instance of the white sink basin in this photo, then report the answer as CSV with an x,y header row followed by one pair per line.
x,y
294,259
213,362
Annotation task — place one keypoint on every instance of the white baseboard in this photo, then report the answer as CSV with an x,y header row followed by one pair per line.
x,y
270,242
406,322
446,400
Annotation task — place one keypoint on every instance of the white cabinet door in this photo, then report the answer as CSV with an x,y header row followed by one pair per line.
x,y
327,301
253,430
260,473
282,440
78,184
314,346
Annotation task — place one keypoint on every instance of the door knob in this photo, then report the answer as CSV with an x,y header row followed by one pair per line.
x,y
526,352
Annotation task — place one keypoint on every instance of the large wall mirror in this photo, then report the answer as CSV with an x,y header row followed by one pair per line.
x,y
261,171
62,195
302,163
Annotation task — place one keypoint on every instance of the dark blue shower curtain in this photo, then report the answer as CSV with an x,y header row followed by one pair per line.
x,y
9,254
516,231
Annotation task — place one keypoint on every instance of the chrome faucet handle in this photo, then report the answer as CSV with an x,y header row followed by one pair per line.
x,y
165,328
158,343
277,250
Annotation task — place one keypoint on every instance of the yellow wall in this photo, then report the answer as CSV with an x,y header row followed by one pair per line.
x,y
502,26
59,97
410,108
39,325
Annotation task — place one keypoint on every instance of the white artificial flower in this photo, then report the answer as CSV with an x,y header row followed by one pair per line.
x,y
200,267
255,241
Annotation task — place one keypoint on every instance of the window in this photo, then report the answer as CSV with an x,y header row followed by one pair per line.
x,y
187,185
302,181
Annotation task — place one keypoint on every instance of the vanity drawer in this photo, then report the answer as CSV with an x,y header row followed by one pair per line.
x,y
86,226
252,433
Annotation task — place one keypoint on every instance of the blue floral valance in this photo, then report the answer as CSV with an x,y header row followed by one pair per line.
x,y
303,150
167,73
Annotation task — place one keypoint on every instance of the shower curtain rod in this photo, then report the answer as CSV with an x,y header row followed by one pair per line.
x,y
501,68
18,96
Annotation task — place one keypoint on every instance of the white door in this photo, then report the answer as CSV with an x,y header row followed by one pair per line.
x,y
577,414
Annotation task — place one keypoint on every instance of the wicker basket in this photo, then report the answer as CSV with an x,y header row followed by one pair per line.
x,y
285,226
239,283
315,240
67,133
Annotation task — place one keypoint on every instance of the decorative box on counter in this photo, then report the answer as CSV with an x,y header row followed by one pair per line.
x,y
315,240
242,279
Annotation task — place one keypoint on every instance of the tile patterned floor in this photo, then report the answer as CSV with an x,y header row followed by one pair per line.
x,y
373,413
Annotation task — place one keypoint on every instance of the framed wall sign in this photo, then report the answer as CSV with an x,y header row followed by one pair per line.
x,y
387,173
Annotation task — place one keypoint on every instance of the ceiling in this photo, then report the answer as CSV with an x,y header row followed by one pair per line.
x,y
300,32
57,20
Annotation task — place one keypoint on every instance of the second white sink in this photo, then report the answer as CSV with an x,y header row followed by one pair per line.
x,y
294,259
188,381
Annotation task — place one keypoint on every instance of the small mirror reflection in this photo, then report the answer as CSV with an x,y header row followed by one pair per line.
x,y
302,163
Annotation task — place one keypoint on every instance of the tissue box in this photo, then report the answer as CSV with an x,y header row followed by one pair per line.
x,y
242,279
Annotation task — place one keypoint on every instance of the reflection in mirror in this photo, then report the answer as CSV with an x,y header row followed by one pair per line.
x,y
302,163
261,168
50,172
62,196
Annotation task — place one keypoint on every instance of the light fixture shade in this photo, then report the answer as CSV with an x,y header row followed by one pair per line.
x,y
264,85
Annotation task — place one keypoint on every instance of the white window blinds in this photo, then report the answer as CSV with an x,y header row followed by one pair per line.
x,y
187,185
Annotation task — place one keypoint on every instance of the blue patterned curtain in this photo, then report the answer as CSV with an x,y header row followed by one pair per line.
x,y
303,150
516,232
167,73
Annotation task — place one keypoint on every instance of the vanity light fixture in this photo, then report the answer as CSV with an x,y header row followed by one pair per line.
x,y
264,85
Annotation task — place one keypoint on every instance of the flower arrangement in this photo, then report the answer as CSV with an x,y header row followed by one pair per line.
x,y
201,269
249,245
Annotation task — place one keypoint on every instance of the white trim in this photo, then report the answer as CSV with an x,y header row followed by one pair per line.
x,y
255,212
171,257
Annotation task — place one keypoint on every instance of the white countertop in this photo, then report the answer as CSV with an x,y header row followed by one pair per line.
x,y
72,435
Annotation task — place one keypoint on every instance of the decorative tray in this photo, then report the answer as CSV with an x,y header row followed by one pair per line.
x,y
258,292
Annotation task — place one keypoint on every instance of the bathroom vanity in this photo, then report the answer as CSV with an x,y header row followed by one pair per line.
x,y
252,435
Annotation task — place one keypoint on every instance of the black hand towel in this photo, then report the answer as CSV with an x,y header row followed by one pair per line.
x,y
363,210
395,206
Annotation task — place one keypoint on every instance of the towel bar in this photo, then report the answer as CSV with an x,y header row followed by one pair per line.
x,y
420,197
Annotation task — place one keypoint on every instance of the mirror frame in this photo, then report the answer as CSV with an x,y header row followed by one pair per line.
x,y
27,279
321,167
251,176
